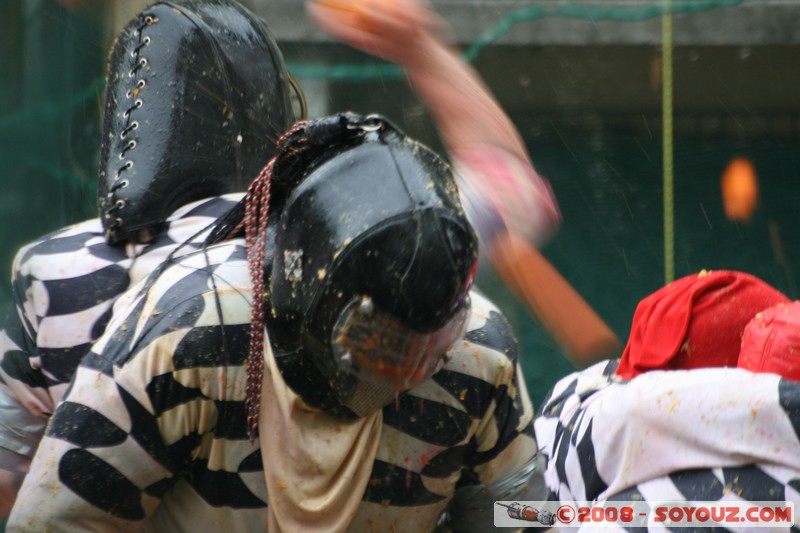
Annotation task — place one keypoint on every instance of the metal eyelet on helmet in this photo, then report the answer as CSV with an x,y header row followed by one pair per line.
x,y
120,184
135,51
366,306
370,124
136,105
131,145
132,126
148,21
127,166
118,204
139,86
139,65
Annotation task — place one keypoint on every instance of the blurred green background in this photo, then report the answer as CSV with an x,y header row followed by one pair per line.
x,y
582,80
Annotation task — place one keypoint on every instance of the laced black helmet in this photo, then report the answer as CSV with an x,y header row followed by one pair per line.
x,y
197,96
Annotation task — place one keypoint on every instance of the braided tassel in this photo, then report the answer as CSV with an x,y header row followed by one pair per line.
x,y
255,222
255,227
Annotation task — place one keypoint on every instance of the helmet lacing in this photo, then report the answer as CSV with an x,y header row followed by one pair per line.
x,y
115,204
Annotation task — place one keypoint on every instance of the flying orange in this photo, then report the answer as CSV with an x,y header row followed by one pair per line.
x,y
739,189
354,9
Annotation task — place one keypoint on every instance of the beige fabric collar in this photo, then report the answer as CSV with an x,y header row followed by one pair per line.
x,y
316,466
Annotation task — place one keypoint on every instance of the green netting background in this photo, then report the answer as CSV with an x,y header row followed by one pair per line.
x,y
591,117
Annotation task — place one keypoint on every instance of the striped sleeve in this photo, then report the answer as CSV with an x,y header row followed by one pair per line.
x,y
24,400
64,285
504,439
493,391
150,405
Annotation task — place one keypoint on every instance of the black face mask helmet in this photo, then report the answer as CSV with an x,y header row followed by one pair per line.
x,y
197,96
373,259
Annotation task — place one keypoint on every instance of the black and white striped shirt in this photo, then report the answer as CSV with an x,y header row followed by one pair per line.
x,y
152,432
63,286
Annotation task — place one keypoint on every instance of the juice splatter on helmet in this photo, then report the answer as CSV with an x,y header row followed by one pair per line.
x,y
368,265
197,96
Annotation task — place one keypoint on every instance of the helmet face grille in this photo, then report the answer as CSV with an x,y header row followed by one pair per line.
x,y
197,96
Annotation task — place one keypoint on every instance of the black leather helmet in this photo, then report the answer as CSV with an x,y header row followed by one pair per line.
x,y
197,96
373,259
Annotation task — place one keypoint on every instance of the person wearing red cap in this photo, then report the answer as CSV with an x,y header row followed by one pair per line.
x,y
771,342
671,420
695,322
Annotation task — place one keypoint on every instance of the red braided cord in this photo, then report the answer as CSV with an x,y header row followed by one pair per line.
x,y
255,225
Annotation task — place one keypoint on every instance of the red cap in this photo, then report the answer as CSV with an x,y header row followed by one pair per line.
x,y
771,342
695,322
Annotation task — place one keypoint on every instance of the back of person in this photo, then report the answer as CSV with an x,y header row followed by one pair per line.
x,y
685,426
175,141
603,435
770,345
65,285
197,95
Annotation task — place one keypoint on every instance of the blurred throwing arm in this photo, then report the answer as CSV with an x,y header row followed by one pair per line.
x,y
511,206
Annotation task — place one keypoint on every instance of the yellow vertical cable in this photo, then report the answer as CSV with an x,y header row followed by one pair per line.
x,y
669,169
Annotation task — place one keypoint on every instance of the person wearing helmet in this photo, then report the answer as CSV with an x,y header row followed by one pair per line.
x,y
675,419
481,483
323,364
197,95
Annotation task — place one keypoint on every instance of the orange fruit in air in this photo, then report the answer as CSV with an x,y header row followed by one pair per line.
x,y
739,189
357,8
349,6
